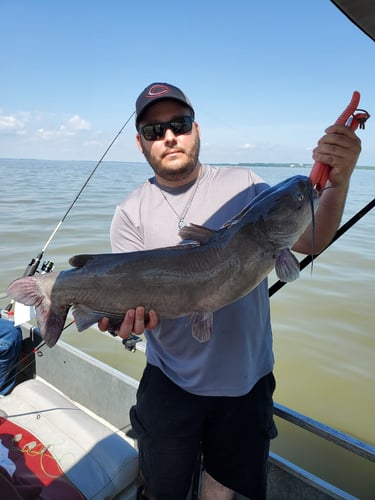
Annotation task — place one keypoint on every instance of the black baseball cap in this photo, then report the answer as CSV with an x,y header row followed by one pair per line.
x,y
156,92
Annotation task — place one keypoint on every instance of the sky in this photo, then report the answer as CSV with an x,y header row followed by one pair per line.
x,y
265,77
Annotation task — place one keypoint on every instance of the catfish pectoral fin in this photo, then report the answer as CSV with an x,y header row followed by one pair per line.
x,y
202,325
286,265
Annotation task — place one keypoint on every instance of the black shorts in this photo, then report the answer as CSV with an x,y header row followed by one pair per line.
x,y
233,433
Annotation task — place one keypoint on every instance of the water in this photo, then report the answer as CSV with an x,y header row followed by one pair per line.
x,y
323,324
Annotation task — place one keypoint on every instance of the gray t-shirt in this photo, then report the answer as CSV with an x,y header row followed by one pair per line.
x,y
239,352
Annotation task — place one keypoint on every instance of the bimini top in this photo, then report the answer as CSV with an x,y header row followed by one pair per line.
x,y
361,13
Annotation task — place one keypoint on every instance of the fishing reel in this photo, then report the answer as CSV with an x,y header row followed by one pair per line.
x,y
33,267
47,267
130,343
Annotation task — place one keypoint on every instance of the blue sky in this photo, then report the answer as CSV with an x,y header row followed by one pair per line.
x,y
265,77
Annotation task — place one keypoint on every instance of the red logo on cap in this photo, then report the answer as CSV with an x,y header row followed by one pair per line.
x,y
157,90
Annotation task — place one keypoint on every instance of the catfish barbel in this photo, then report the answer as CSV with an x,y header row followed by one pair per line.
x,y
191,279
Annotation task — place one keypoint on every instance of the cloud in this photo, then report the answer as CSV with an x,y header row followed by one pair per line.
x,y
71,127
247,146
78,123
11,125
28,124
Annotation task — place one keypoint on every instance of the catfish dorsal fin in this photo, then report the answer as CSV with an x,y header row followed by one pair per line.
x,y
197,233
80,260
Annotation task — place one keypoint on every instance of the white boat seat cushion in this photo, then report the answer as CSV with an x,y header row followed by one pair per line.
x,y
99,462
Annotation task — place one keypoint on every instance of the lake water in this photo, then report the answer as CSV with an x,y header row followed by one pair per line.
x,y
323,323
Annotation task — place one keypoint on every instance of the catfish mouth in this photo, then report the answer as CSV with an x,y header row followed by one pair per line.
x,y
314,196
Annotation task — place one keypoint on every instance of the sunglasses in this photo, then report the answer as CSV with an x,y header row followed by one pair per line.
x,y
155,131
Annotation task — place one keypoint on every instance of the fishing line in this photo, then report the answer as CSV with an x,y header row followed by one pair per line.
x,y
26,360
310,258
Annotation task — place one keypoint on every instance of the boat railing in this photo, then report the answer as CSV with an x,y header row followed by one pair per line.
x,y
360,448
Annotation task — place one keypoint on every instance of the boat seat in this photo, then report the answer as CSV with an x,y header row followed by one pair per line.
x,y
60,445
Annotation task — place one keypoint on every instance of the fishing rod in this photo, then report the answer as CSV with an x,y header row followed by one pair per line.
x,y
342,230
32,267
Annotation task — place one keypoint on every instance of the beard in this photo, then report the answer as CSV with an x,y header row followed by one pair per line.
x,y
175,170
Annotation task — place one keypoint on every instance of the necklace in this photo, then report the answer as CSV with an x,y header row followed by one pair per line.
x,y
181,217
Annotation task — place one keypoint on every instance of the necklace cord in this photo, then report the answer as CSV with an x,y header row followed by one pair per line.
x,y
181,218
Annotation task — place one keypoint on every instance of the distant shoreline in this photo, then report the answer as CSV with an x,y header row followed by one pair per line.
x,y
240,164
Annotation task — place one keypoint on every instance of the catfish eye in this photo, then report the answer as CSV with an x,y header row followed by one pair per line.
x,y
300,196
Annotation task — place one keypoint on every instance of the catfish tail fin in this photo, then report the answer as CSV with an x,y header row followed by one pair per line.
x,y
50,318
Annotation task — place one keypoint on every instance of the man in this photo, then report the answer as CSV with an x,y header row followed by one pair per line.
x,y
212,397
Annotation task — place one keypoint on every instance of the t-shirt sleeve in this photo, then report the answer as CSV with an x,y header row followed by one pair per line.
x,y
125,233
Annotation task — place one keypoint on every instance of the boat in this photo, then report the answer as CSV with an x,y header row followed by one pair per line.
x,y
64,423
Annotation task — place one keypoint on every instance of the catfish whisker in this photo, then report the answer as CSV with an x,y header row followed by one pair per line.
x,y
311,195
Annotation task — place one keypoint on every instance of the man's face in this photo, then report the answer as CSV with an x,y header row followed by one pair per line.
x,y
173,157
